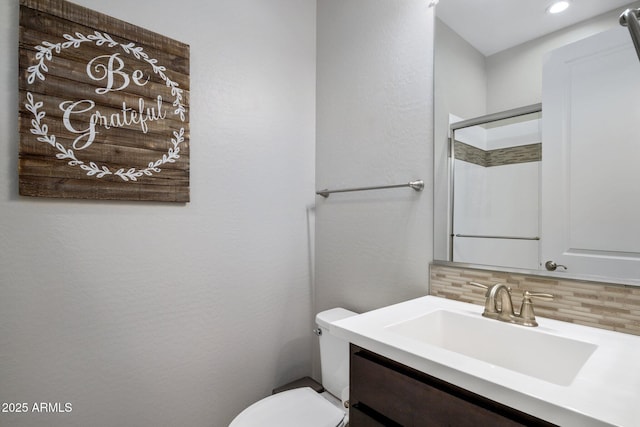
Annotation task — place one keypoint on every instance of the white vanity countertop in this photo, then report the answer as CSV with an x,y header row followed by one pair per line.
x,y
606,391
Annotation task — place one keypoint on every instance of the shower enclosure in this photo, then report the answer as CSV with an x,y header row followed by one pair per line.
x,y
495,189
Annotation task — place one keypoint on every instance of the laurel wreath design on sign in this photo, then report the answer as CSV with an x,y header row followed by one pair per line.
x,y
40,129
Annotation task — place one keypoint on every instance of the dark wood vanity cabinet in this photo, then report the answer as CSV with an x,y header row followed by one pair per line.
x,y
386,393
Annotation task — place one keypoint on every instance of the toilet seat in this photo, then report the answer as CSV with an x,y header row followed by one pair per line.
x,y
291,408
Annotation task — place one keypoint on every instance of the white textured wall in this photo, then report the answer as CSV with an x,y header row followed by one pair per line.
x,y
147,314
461,75
374,127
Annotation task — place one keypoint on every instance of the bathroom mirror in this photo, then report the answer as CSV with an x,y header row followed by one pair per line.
x,y
489,60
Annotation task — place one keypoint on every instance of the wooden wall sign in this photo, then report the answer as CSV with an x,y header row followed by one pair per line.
x,y
104,107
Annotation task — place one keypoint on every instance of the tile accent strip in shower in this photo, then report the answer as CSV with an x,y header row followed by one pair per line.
x,y
498,157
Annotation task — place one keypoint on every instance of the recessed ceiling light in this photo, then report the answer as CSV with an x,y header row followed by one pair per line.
x,y
559,6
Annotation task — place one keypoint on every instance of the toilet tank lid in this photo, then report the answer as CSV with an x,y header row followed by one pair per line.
x,y
325,318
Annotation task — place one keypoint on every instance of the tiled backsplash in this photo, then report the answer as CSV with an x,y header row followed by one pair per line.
x,y
600,305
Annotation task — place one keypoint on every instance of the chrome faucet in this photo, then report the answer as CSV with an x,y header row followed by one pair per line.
x,y
491,308
505,312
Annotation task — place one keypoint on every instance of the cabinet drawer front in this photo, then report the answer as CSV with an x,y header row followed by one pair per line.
x,y
412,398
388,391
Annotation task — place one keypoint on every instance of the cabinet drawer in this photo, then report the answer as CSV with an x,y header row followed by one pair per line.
x,y
412,398
386,390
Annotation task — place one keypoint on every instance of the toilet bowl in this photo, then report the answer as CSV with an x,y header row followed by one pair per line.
x,y
292,408
304,406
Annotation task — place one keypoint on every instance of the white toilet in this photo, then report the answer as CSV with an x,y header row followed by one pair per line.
x,y
304,406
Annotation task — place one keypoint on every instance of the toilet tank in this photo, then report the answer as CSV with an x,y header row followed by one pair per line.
x,y
334,352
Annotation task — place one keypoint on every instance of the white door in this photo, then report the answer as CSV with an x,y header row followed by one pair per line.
x,y
591,157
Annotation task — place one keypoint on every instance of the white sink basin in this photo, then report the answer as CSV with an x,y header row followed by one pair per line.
x,y
569,374
529,351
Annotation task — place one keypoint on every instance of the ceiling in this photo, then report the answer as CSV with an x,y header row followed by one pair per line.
x,y
494,25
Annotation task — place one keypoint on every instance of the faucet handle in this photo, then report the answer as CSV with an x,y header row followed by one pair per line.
x,y
479,285
487,287
527,316
538,295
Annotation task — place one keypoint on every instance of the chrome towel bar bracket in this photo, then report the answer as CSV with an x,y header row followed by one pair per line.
x,y
416,185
